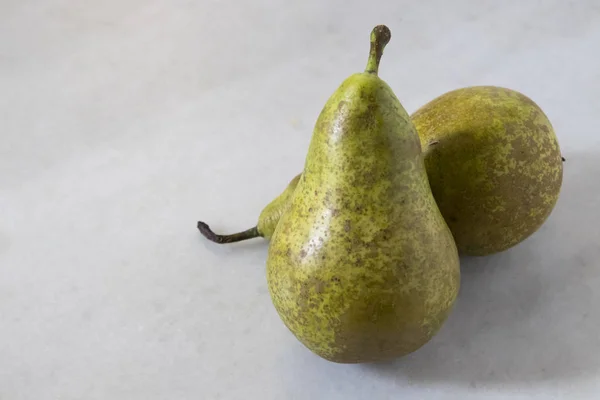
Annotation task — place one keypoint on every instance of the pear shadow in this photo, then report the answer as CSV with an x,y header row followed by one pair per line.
x,y
530,313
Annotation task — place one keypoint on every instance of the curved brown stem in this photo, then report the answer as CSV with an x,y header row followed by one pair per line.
x,y
380,36
221,239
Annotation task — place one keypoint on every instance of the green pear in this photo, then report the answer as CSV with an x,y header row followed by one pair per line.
x,y
362,266
267,220
494,165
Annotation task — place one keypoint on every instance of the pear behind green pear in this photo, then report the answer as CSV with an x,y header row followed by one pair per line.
x,y
267,220
493,163
362,266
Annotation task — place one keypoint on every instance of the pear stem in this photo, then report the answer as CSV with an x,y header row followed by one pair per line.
x,y
221,239
380,36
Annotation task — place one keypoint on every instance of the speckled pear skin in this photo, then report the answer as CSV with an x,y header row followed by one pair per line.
x,y
495,167
270,215
362,266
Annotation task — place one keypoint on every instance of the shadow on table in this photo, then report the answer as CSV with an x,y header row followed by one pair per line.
x,y
530,313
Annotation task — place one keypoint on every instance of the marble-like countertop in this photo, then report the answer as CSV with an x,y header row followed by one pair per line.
x,y
124,122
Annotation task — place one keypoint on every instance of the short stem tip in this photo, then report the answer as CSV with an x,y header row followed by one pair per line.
x,y
221,239
380,37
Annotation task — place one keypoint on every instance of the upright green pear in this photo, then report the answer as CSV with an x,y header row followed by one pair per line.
x,y
362,266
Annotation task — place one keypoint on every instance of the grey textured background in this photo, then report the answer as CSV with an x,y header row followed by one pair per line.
x,y
124,122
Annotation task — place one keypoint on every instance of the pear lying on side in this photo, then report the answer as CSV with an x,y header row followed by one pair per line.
x,y
362,266
493,163
267,220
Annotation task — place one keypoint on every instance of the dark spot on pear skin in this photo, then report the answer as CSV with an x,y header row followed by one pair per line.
x,y
319,287
347,225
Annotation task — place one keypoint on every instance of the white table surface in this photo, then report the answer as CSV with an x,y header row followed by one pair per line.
x,y
123,122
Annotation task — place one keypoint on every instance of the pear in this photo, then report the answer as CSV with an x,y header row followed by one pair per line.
x,y
362,267
267,220
494,165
